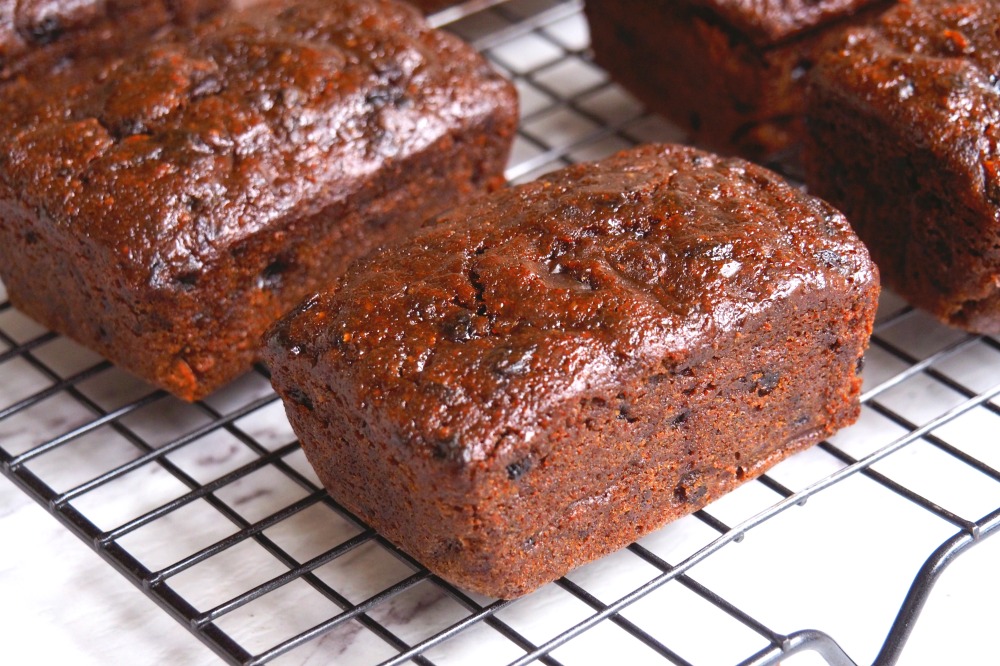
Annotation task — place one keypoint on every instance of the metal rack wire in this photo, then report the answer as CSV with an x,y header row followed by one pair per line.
x,y
211,510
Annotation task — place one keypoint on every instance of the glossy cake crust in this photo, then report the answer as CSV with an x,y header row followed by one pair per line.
x,y
545,374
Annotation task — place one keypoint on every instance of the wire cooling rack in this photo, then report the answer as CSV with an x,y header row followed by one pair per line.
x,y
212,511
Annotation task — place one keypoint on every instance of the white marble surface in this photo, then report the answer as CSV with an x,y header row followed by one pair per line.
x,y
61,604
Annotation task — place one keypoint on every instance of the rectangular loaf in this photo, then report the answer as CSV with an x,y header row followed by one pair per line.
x,y
729,72
545,374
904,121
165,204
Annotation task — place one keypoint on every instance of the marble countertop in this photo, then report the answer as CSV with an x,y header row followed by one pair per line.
x,y
62,604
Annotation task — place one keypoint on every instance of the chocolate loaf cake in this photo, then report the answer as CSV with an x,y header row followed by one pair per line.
x,y
165,206
905,127
729,72
543,375
52,30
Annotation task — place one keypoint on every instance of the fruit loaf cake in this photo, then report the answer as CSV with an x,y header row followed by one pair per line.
x,y
542,375
905,138
165,205
729,72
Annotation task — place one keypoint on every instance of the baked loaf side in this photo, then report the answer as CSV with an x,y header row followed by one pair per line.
x,y
905,126
164,206
49,31
543,375
732,89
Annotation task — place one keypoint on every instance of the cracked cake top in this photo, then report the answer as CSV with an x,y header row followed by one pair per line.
x,y
167,155
501,309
